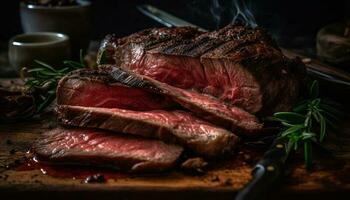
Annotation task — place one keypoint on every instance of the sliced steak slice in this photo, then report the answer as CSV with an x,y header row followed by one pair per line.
x,y
96,89
171,126
204,106
101,148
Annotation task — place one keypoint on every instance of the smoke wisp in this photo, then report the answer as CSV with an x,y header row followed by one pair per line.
x,y
239,11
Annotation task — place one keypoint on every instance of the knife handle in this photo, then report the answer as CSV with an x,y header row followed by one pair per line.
x,y
265,175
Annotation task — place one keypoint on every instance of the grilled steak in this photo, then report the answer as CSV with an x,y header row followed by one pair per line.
x,y
239,65
144,40
204,106
171,126
92,147
96,89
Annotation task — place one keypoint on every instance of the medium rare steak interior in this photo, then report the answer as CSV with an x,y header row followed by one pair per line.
x,y
239,65
204,106
112,87
96,89
171,126
101,148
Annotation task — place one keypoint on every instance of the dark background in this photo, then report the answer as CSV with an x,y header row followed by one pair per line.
x,y
293,23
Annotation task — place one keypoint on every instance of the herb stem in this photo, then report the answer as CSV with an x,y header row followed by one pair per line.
x,y
307,124
42,80
308,153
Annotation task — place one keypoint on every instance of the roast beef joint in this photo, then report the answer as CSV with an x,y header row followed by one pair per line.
x,y
163,93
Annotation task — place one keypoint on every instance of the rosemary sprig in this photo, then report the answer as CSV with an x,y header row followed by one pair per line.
x,y
42,79
308,122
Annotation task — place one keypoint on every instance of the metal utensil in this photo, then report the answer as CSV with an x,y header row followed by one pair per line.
x,y
163,17
267,172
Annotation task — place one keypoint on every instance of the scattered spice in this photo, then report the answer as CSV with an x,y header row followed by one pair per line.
x,y
194,165
17,162
228,182
4,176
13,151
247,157
306,60
9,142
96,178
215,179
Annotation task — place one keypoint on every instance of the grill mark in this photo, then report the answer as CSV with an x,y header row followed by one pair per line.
x,y
159,37
204,47
233,45
203,43
191,48
233,32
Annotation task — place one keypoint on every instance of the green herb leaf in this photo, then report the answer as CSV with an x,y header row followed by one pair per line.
x,y
292,129
103,58
46,102
73,64
323,126
45,65
290,117
308,122
330,115
314,89
330,109
316,116
307,135
332,103
35,70
301,107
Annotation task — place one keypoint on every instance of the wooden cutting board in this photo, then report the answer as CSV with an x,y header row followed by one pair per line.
x,y
220,181
329,179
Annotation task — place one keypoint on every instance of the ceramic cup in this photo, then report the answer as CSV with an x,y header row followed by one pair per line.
x,y
74,21
51,48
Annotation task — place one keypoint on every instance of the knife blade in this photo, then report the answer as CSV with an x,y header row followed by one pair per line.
x,y
163,17
267,172
333,75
